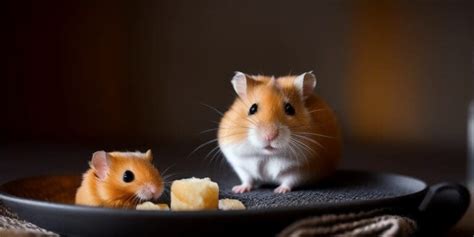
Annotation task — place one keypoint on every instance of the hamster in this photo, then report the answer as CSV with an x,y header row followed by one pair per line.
x,y
120,179
278,131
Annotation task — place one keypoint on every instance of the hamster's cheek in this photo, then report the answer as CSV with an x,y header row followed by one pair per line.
x,y
283,138
254,138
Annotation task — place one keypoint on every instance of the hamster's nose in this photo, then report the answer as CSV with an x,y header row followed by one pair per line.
x,y
271,135
155,191
152,189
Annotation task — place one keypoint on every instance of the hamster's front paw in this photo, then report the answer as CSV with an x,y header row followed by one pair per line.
x,y
242,188
282,189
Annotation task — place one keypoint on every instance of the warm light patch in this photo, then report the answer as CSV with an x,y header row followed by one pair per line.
x,y
383,95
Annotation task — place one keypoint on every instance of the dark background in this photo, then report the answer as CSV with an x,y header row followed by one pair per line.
x,y
91,75
81,76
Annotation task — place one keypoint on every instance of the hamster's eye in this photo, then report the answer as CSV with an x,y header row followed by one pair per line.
x,y
289,110
128,176
253,109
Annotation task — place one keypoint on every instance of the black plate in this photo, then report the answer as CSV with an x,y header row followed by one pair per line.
x,y
47,202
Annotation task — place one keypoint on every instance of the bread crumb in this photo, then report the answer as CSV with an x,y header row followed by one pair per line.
x,y
153,206
230,204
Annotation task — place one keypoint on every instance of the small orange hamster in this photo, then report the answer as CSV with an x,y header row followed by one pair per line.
x,y
279,131
120,179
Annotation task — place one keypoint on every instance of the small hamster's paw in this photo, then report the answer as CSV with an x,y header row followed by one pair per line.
x,y
241,188
282,189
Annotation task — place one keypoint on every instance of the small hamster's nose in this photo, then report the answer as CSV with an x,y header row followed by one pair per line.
x,y
271,135
152,189
155,191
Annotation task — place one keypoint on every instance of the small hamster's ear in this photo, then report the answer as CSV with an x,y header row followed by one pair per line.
x,y
149,155
100,163
241,83
305,83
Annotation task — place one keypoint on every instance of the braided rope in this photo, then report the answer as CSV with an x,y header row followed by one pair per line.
x,y
372,223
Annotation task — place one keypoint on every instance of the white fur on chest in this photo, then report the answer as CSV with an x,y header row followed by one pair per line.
x,y
260,167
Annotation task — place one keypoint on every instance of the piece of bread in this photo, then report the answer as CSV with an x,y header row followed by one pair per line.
x,y
194,194
231,204
153,206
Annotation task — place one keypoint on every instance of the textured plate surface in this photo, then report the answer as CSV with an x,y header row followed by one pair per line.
x,y
344,187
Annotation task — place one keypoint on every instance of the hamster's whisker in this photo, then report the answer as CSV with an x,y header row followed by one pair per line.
x,y
201,146
166,177
238,113
288,151
233,134
212,151
247,118
137,200
208,130
310,140
304,156
130,199
167,169
222,160
213,108
299,127
291,150
316,110
236,123
306,147
216,155
297,146
236,127
215,129
300,151
296,149
233,127
212,155
315,134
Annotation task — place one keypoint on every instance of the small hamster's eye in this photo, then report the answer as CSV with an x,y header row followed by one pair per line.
x,y
253,109
128,176
289,110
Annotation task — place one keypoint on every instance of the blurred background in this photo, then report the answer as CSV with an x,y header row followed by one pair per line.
x,y
134,74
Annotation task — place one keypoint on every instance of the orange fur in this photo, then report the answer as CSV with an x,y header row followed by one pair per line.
x,y
312,115
113,191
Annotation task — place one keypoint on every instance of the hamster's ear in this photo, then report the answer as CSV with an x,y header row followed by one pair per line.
x,y
149,155
305,83
100,164
242,83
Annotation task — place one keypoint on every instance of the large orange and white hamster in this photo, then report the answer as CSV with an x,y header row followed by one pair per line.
x,y
278,131
120,179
